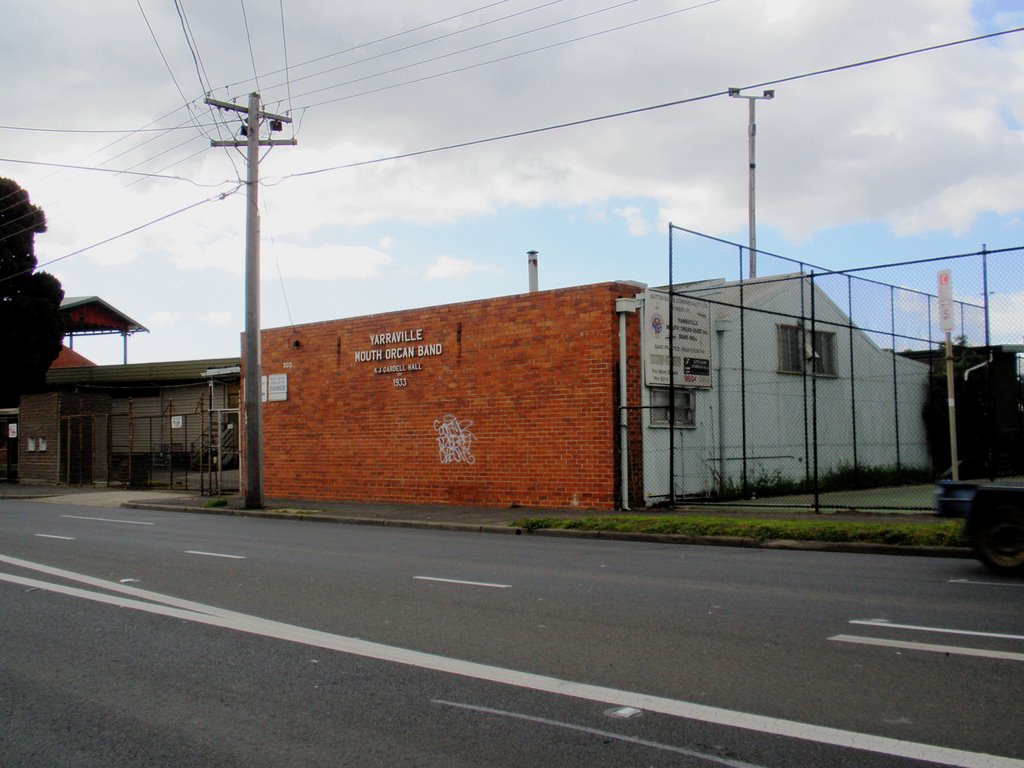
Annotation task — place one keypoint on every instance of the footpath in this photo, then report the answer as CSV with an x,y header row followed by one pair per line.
x,y
476,519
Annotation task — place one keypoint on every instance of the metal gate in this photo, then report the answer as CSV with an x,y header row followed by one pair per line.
x,y
195,451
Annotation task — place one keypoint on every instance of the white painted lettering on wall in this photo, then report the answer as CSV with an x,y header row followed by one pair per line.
x,y
397,345
396,337
454,440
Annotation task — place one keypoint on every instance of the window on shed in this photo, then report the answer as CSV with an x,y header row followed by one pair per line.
x,y
685,407
795,347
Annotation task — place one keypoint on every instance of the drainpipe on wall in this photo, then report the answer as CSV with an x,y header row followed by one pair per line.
x,y
531,261
624,307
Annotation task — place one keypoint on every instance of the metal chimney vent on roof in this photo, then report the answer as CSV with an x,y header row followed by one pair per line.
x,y
531,260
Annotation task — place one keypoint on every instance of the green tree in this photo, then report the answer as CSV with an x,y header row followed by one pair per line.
x,y
31,329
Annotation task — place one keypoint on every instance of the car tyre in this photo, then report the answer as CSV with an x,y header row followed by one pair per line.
x,y
999,540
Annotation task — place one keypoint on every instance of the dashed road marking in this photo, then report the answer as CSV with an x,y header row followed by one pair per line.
x,y
464,583
929,647
107,520
214,554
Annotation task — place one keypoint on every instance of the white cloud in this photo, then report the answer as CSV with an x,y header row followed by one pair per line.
x,y
218,318
162,317
329,262
301,262
449,268
636,222
887,141
922,144
1005,313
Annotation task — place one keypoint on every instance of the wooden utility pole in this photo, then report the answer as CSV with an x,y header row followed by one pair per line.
x,y
253,368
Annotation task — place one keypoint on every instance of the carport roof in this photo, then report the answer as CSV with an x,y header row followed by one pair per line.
x,y
92,315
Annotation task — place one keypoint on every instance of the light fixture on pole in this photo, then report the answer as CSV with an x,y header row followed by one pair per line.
x,y
751,134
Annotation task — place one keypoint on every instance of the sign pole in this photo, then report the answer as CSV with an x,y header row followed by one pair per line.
x,y
946,317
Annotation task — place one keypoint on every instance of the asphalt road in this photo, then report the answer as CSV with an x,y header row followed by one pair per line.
x,y
135,637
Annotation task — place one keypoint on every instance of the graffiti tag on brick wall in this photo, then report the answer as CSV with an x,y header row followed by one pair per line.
x,y
454,440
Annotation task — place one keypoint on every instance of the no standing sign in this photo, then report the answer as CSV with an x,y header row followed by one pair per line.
x,y
946,300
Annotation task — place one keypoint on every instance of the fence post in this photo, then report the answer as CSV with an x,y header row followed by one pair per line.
x,y
990,458
853,381
743,384
895,381
131,444
814,394
671,378
170,440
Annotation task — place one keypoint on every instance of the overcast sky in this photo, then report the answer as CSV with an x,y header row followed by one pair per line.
x,y
916,157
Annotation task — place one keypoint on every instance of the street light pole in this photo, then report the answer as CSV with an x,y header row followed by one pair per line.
x,y
751,136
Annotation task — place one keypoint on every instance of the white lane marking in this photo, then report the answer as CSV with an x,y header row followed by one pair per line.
x,y
106,520
988,583
598,732
940,630
214,554
53,536
213,616
464,583
930,647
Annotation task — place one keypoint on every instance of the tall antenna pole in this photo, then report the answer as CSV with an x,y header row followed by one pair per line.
x,y
751,140
253,367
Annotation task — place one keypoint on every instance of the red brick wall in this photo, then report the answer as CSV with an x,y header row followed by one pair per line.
x,y
533,379
39,417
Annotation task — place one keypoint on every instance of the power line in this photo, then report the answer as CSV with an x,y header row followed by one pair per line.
x,y
653,107
111,239
500,58
378,40
114,171
204,80
186,28
170,165
882,59
188,121
161,154
248,37
142,177
167,64
433,40
289,80
287,69
99,131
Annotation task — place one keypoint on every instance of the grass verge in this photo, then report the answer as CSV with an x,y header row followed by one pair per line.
x,y
947,534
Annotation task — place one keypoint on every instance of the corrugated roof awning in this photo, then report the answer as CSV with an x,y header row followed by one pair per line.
x,y
92,315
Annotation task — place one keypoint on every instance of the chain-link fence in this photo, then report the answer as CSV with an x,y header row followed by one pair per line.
x,y
828,388
190,451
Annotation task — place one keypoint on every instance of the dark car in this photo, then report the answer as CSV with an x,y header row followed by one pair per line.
x,y
993,520
953,497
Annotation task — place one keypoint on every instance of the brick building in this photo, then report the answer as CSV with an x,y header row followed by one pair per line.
x,y
512,401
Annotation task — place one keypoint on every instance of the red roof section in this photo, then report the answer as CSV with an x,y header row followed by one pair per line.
x,y
91,314
68,358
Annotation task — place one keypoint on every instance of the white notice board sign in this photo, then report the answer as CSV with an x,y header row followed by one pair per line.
x,y
691,340
277,387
